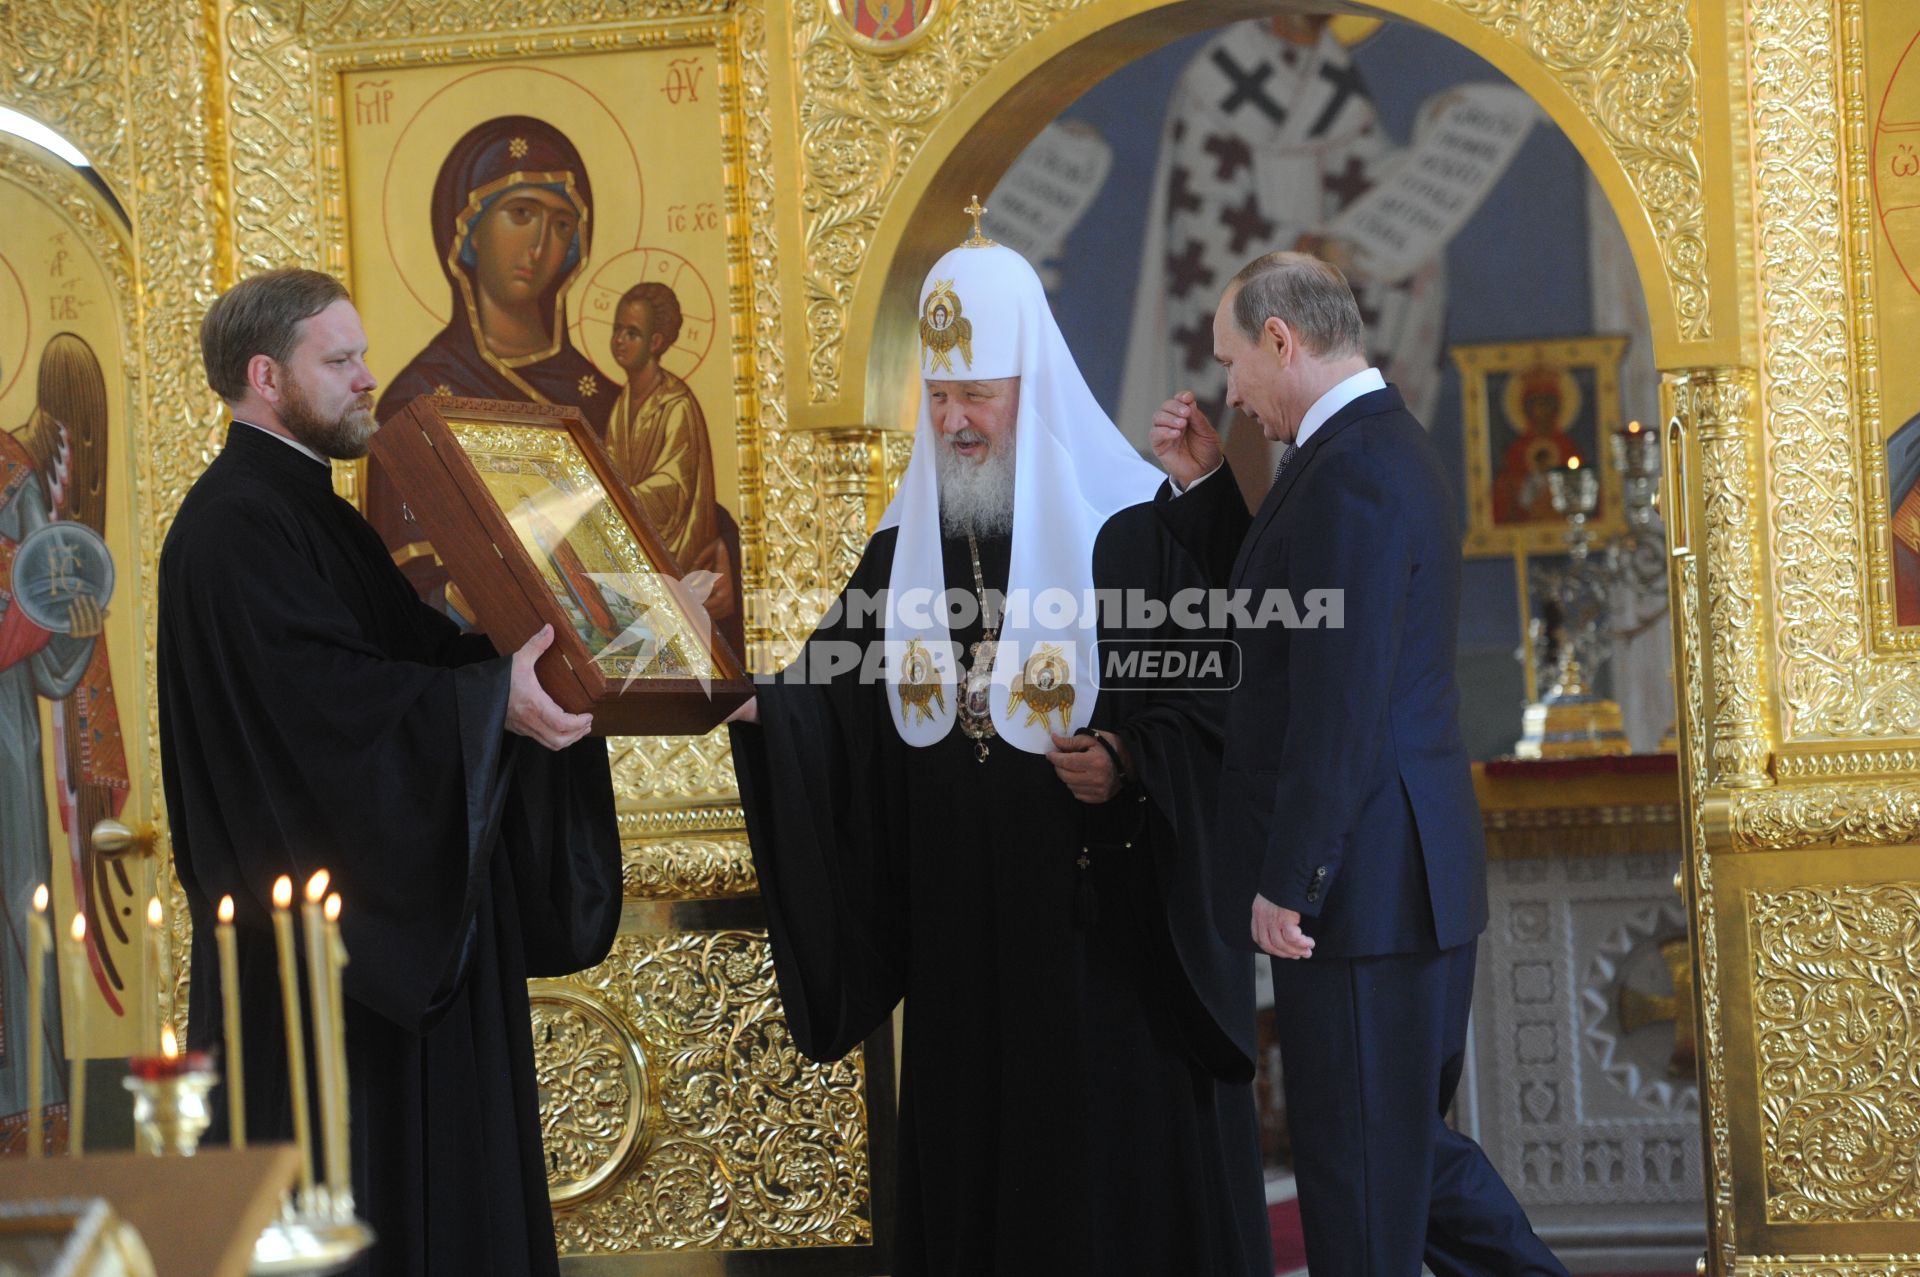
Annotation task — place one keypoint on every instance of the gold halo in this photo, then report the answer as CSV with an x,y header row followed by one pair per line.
x,y
843,14
413,166
16,323
1571,397
592,318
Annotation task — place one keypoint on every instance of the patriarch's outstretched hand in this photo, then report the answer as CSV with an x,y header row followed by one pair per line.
x,y
530,711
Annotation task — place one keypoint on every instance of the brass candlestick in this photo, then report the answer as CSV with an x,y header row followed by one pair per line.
x,y
1570,721
170,1097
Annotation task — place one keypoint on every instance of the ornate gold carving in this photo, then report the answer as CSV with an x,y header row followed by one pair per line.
x,y
849,460
1860,814
1717,406
354,21
1826,1266
1690,686
896,449
864,118
754,1145
687,869
651,770
1834,986
594,1090
1836,764
63,65
1630,68
1830,683
660,822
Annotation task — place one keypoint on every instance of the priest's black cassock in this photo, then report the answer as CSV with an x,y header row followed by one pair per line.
x,y
314,713
1074,1089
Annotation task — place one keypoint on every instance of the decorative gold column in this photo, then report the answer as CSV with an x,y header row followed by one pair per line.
x,y
854,488
1716,408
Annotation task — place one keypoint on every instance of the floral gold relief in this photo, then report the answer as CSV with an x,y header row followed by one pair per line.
x,y
1690,686
1717,405
595,1093
688,869
1827,1266
751,1144
865,117
1860,814
1835,982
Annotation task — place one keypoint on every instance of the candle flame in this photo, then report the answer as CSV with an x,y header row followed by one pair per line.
x,y
79,928
226,908
317,887
169,1044
154,915
282,892
1573,463
333,907
40,898
1633,427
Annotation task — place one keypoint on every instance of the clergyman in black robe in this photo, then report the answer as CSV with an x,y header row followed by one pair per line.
x,y
1077,1052
315,714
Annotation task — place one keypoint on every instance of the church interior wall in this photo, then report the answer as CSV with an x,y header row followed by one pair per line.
x,y
1518,270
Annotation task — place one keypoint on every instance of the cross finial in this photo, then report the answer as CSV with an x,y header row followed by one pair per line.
x,y
978,239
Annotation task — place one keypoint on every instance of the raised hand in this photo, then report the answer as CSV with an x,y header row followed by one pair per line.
x,y
1184,441
530,711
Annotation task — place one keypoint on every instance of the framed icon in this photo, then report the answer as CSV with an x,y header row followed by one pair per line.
x,y
528,513
1529,409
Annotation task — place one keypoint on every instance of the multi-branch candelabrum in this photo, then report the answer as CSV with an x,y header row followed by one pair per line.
x,y
1572,639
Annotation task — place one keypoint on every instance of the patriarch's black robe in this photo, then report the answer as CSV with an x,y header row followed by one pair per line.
x,y
314,713
1074,1089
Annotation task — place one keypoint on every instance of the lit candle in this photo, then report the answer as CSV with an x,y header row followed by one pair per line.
x,y
341,1176
296,1040
39,945
160,964
1573,463
168,1062
1633,427
325,1046
76,1022
230,1004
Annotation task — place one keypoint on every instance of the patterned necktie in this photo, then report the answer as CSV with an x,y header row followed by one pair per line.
x,y
1285,457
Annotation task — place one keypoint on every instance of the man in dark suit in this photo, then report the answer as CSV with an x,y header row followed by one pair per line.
x,y
1349,825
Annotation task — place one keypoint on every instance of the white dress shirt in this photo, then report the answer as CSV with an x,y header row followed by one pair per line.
x,y
1364,382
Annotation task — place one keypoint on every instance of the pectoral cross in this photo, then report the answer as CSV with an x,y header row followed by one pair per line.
x,y
978,239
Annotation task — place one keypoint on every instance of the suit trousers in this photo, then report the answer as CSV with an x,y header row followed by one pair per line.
x,y
1371,1052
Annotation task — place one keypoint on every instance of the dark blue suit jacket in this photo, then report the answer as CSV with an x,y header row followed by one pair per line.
x,y
1348,793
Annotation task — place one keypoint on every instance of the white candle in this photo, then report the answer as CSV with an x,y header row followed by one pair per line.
x,y
341,1175
76,1022
160,964
296,1039
326,1057
39,945
230,1003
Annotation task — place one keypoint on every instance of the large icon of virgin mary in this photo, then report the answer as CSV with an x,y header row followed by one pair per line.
x,y
512,225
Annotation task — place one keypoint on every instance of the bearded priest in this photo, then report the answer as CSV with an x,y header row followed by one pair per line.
x,y
947,806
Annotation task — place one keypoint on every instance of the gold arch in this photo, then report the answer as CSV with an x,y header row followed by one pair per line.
x,y
1687,273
